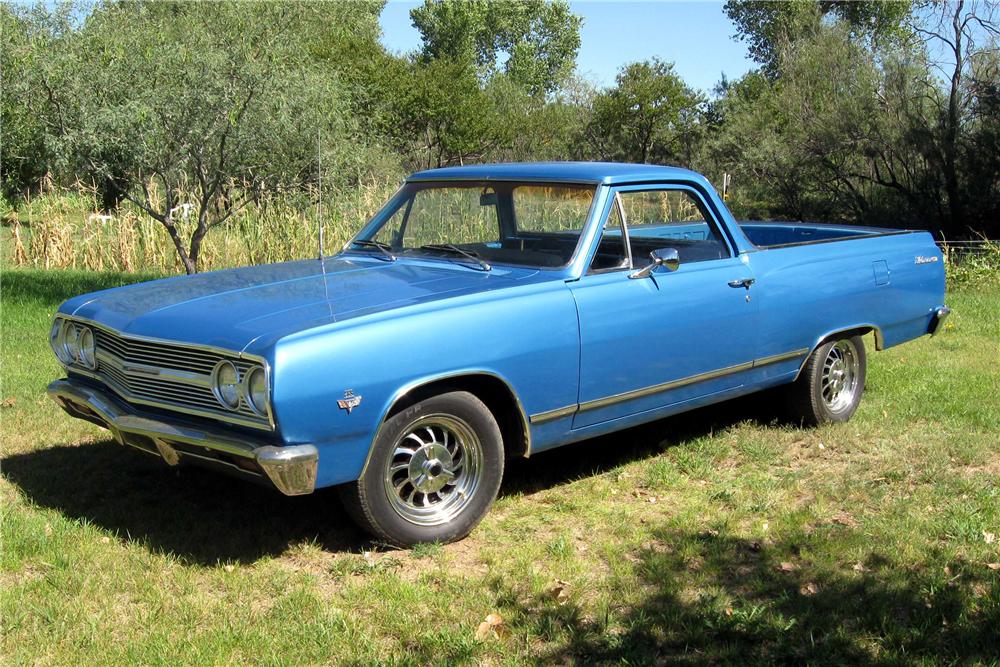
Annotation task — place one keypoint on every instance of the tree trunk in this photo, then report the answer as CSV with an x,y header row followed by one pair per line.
x,y
189,263
198,237
953,119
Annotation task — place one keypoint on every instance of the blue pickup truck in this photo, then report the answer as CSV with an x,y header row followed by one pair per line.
x,y
486,312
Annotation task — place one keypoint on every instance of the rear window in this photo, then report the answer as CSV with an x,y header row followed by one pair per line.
x,y
547,208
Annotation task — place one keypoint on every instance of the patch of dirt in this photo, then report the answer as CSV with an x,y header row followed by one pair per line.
x,y
990,468
26,575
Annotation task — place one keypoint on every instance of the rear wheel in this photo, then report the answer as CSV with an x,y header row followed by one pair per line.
x,y
830,386
434,472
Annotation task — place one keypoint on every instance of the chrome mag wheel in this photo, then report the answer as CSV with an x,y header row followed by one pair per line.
x,y
435,468
841,370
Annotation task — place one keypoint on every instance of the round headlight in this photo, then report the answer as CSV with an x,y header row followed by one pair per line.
x,y
56,340
71,341
256,390
88,348
227,384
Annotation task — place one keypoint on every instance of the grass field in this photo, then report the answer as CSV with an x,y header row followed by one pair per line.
x,y
718,536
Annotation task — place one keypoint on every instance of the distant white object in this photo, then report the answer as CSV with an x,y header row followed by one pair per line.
x,y
100,217
185,210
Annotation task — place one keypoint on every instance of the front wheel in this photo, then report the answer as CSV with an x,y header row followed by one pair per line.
x,y
830,385
434,472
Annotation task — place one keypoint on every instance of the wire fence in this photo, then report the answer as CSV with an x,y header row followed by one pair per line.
x,y
957,251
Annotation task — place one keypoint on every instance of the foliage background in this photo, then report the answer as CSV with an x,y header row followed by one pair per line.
x,y
711,538
197,135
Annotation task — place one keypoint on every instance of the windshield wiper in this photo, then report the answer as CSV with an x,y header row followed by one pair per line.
x,y
385,248
449,247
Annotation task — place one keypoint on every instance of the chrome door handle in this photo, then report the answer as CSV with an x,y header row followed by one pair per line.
x,y
743,282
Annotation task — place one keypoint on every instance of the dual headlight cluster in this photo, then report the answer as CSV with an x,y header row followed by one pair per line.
x,y
229,387
73,343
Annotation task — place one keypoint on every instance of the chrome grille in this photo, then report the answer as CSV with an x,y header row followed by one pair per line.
x,y
157,354
167,375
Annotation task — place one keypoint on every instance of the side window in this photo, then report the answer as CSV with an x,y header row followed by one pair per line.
x,y
611,251
671,219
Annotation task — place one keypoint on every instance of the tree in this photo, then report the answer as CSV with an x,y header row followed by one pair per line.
x,y
955,27
837,136
768,26
449,117
30,82
981,150
533,41
648,115
204,105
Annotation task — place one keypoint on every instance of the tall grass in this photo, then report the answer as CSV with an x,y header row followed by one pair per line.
x,y
64,229
973,266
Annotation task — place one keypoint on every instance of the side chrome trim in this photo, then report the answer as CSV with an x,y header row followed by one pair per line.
x,y
664,386
543,417
777,358
551,415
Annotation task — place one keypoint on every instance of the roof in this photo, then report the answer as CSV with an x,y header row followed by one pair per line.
x,y
609,173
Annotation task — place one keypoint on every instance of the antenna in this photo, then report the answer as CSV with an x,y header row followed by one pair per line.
x,y
319,213
319,181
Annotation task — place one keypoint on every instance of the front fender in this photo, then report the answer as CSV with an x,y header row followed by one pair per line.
x,y
528,338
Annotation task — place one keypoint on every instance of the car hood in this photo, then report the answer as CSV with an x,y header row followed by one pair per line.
x,y
254,306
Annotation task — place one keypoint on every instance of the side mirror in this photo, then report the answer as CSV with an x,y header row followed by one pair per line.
x,y
665,257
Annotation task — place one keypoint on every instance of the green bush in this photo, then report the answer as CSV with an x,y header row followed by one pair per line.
x,y
974,268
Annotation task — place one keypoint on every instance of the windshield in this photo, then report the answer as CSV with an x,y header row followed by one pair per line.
x,y
480,223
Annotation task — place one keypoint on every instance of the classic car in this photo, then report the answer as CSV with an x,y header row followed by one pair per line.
x,y
489,312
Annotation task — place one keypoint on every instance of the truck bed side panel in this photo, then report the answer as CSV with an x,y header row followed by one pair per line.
x,y
807,292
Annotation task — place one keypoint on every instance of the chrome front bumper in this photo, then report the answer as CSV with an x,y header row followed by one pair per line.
x,y
291,469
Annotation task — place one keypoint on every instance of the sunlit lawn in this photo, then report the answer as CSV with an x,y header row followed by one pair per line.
x,y
723,535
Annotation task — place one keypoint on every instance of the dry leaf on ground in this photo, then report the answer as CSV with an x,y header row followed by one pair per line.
x,y
559,591
492,626
809,589
844,519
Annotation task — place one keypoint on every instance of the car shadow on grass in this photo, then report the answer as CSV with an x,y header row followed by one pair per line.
x,y
597,455
205,517
711,598
198,515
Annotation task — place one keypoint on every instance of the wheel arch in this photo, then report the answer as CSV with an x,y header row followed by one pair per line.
x,y
845,332
493,390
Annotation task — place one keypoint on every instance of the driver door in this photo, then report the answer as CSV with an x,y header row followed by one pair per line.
x,y
674,336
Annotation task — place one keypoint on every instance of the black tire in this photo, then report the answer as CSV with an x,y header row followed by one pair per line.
x,y
809,397
452,440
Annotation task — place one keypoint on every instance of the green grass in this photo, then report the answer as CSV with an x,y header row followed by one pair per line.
x,y
718,536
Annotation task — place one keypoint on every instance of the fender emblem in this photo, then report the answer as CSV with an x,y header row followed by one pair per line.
x,y
349,401
920,259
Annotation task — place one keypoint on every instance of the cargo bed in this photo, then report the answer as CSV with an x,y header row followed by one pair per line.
x,y
783,234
